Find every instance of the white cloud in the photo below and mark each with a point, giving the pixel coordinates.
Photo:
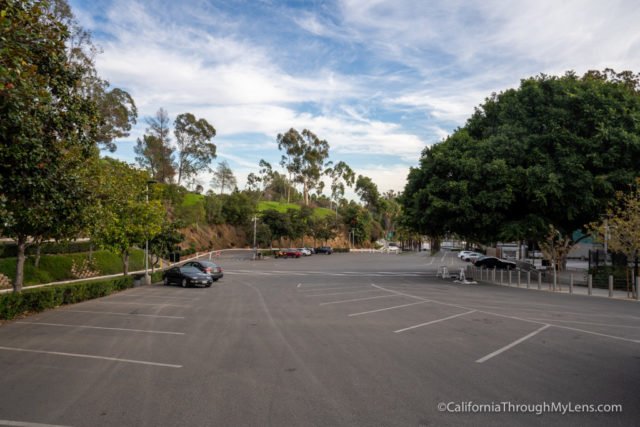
(373, 77)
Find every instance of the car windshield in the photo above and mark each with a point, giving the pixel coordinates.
(189, 269)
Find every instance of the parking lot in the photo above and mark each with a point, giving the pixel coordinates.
(345, 339)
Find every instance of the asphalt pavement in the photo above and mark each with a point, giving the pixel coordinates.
(327, 340)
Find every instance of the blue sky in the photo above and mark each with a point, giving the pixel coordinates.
(379, 80)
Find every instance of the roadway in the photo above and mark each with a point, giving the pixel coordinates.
(339, 340)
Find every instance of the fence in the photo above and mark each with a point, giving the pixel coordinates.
(566, 281)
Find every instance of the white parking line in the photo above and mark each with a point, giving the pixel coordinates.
(143, 303)
(343, 293)
(101, 327)
(154, 296)
(25, 424)
(122, 314)
(90, 356)
(586, 323)
(597, 334)
(299, 284)
(388, 308)
(513, 344)
(434, 321)
(334, 288)
(358, 299)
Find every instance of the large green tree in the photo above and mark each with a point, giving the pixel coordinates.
(124, 216)
(549, 155)
(48, 127)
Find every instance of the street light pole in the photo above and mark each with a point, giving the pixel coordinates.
(147, 278)
(255, 247)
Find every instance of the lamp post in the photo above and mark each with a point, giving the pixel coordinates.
(147, 278)
(255, 247)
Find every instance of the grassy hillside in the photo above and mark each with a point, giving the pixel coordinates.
(283, 207)
(191, 199)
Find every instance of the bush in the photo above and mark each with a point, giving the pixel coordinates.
(340, 250)
(40, 299)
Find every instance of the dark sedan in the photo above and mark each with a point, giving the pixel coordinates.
(186, 276)
(493, 262)
(207, 267)
(324, 250)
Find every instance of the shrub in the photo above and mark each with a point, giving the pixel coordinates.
(39, 299)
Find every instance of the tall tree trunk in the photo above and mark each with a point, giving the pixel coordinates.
(125, 263)
(19, 280)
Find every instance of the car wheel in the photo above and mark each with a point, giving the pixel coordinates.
(208, 285)
(184, 283)
(166, 281)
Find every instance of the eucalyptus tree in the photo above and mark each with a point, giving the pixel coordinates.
(116, 108)
(368, 192)
(341, 175)
(154, 150)
(223, 177)
(195, 151)
(304, 158)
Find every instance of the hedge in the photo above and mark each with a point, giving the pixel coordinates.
(39, 299)
(55, 268)
(10, 250)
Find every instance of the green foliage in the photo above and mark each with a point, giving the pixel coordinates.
(282, 207)
(213, 209)
(10, 250)
(53, 268)
(223, 178)
(304, 158)
(368, 192)
(123, 215)
(195, 151)
(154, 151)
(191, 199)
(48, 130)
(173, 193)
(238, 208)
(358, 220)
(36, 300)
(279, 224)
(192, 214)
(277, 206)
(550, 153)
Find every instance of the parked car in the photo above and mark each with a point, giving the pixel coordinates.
(207, 267)
(472, 256)
(186, 276)
(462, 254)
(304, 251)
(392, 247)
(493, 262)
(288, 253)
(324, 250)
